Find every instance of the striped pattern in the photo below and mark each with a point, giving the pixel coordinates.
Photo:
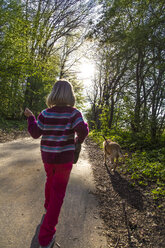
(77, 121)
(58, 126)
(53, 127)
(58, 148)
(57, 138)
(58, 115)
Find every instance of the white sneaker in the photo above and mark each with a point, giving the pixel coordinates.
(50, 245)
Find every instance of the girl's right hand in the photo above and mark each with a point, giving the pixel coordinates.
(28, 112)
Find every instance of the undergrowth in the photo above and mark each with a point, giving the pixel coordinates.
(10, 125)
(144, 161)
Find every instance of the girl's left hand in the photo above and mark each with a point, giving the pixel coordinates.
(28, 112)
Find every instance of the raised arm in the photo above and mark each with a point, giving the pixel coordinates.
(34, 127)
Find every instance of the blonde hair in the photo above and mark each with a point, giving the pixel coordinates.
(62, 94)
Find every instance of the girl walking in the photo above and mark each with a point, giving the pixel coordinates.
(57, 125)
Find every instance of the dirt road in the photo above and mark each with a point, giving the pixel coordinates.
(22, 179)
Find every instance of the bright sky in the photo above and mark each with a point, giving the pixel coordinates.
(86, 72)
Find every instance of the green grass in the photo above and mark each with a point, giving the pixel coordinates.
(146, 164)
(147, 168)
(9, 125)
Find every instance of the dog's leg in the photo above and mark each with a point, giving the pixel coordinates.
(112, 162)
(116, 164)
(105, 156)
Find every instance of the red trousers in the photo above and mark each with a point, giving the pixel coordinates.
(55, 188)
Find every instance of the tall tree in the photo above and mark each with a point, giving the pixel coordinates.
(133, 34)
(30, 33)
(52, 21)
(14, 58)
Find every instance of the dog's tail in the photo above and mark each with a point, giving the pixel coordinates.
(104, 137)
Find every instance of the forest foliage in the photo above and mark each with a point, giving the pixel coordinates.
(129, 88)
(36, 42)
(127, 97)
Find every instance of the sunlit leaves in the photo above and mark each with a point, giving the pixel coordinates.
(131, 35)
(30, 32)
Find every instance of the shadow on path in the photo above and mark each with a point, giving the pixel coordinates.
(24, 146)
(35, 243)
(126, 191)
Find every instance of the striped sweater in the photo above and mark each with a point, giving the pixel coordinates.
(58, 126)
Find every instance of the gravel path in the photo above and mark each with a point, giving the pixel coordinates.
(101, 209)
(22, 179)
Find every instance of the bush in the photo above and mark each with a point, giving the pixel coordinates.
(146, 168)
(146, 163)
(9, 125)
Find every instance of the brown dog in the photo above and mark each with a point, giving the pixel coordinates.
(112, 149)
